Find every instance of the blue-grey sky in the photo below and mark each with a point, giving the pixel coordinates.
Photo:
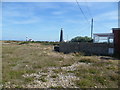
(43, 20)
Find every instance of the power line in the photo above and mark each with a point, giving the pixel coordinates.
(102, 24)
(84, 29)
(91, 20)
(81, 11)
(86, 17)
(89, 11)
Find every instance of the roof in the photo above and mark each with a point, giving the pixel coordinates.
(115, 28)
(104, 34)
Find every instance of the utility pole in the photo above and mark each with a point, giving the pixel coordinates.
(119, 14)
(26, 38)
(92, 28)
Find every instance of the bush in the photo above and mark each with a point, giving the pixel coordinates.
(81, 39)
(25, 42)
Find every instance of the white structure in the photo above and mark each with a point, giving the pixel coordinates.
(103, 38)
(30, 40)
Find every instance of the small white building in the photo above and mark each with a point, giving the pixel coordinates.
(103, 38)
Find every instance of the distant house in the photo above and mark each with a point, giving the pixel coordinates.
(103, 38)
(109, 38)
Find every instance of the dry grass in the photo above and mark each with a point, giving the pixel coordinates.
(34, 58)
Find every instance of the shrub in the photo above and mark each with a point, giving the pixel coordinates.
(25, 42)
(84, 83)
(81, 39)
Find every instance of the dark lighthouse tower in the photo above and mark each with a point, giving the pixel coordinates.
(61, 35)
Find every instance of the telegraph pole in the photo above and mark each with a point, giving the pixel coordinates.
(26, 38)
(119, 14)
(92, 28)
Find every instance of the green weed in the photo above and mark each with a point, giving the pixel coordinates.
(43, 79)
(54, 76)
(29, 79)
(84, 83)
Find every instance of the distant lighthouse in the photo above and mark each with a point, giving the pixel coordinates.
(61, 35)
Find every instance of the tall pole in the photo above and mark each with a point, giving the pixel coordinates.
(92, 28)
(26, 38)
(119, 14)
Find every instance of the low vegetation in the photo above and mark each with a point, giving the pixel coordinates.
(36, 65)
(41, 42)
(81, 39)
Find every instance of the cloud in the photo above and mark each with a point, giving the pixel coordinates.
(106, 20)
(112, 15)
(31, 20)
(58, 12)
(76, 22)
(26, 21)
(17, 13)
(59, 0)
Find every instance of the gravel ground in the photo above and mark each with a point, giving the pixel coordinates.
(52, 79)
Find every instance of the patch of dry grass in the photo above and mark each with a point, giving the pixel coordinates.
(27, 58)
(30, 58)
(102, 74)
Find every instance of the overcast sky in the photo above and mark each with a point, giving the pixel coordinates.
(43, 20)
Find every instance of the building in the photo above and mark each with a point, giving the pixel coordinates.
(104, 44)
(113, 37)
(103, 38)
(116, 32)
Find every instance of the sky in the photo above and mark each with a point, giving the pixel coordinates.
(42, 21)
